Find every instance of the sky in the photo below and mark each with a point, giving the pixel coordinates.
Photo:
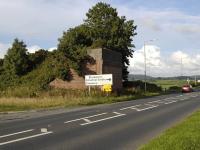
(170, 29)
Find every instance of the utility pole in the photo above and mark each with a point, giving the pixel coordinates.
(181, 66)
(145, 65)
(145, 69)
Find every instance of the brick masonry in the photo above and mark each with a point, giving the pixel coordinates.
(103, 61)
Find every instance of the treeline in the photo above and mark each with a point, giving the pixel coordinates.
(103, 27)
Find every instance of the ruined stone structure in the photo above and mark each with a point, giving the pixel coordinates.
(105, 61)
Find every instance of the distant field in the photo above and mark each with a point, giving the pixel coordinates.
(169, 83)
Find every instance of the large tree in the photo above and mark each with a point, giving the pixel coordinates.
(73, 45)
(16, 59)
(102, 28)
(112, 31)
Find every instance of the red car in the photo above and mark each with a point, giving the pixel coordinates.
(187, 89)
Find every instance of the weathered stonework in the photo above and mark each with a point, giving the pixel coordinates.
(104, 62)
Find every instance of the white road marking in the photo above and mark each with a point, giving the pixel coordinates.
(85, 118)
(119, 115)
(24, 138)
(170, 102)
(151, 106)
(158, 101)
(194, 96)
(129, 107)
(3, 136)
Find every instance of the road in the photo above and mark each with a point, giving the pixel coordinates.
(119, 126)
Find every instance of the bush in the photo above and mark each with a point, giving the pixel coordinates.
(138, 86)
(174, 89)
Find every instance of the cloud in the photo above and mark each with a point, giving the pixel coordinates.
(188, 28)
(3, 49)
(33, 49)
(41, 18)
(52, 49)
(175, 64)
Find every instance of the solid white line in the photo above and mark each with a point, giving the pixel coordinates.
(102, 119)
(16, 133)
(28, 137)
(85, 118)
(129, 107)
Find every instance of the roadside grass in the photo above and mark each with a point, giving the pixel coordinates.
(49, 101)
(184, 136)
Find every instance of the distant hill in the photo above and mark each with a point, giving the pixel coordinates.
(132, 77)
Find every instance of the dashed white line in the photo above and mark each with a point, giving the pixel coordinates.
(170, 102)
(86, 120)
(85, 117)
(151, 106)
(158, 101)
(119, 115)
(24, 138)
(130, 107)
(3, 136)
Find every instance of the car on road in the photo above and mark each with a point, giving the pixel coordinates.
(187, 88)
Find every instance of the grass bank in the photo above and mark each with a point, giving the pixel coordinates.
(50, 101)
(184, 136)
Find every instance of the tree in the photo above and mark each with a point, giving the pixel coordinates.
(102, 28)
(16, 59)
(1, 66)
(73, 45)
(111, 31)
(35, 59)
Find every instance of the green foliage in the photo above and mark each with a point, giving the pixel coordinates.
(111, 31)
(102, 28)
(36, 58)
(16, 59)
(174, 89)
(1, 66)
(54, 66)
(139, 85)
(73, 45)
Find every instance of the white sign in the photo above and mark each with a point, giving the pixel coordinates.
(98, 79)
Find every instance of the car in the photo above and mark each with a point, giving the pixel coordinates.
(187, 88)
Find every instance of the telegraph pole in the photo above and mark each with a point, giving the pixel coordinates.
(145, 69)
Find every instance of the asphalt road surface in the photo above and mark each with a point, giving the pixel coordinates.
(120, 126)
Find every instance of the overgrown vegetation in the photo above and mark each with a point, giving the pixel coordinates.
(64, 98)
(184, 136)
(139, 86)
(26, 74)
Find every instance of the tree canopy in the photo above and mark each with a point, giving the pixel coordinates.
(102, 28)
(16, 59)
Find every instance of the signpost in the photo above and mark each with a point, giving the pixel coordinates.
(92, 80)
(105, 80)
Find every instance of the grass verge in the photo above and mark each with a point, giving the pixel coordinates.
(184, 136)
(20, 104)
